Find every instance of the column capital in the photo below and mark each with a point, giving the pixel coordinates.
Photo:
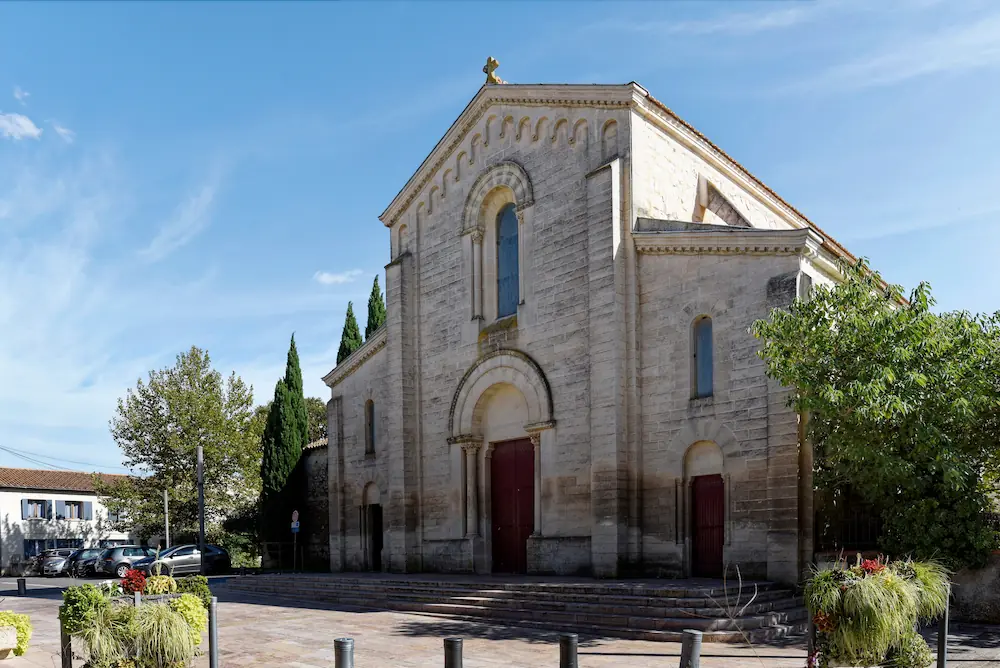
(471, 446)
(462, 439)
(477, 236)
(536, 438)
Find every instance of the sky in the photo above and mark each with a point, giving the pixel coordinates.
(210, 174)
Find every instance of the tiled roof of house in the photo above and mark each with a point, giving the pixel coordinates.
(69, 481)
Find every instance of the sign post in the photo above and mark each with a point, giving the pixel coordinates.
(295, 536)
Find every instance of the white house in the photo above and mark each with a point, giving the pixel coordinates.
(45, 509)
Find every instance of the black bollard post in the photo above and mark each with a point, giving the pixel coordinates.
(213, 633)
(65, 646)
(22, 587)
(567, 650)
(942, 653)
(452, 653)
(811, 646)
(690, 649)
(343, 653)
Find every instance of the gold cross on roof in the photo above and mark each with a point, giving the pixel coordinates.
(490, 69)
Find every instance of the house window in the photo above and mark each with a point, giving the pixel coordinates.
(369, 427)
(34, 509)
(74, 511)
(74, 543)
(35, 546)
(702, 367)
(508, 288)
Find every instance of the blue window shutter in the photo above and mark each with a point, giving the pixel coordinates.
(24, 509)
(88, 510)
(48, 510)
(508, 290)
(60, 510)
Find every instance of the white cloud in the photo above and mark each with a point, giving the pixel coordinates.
(743, 23)
(328, 278)
(18, 126)
(21, 95)
(189, 220)
(64, 132)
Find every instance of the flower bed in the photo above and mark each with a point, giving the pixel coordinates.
(867, 614)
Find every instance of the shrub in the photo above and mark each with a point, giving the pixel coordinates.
(191, 609)
(160, 584)
(134, 581)
(162, 638)
(78, 604)
(197, 585)
(911, 652)
(108, 634)
(23, 625)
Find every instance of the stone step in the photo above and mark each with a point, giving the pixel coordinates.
(581, 626)
(628, 606)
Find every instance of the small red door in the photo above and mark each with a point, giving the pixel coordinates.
(708, 498)
(512, 495)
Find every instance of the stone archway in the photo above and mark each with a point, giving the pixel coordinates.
(516, 382)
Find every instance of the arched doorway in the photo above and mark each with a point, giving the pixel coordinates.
(371, 528)
(703, 463)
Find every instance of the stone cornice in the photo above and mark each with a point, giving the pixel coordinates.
(729, 241)
(525, 95)
(357, 358)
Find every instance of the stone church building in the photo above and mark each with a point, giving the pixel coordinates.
(565, 383)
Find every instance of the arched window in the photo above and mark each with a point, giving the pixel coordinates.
(702, 368)
(369, 427)
(508, 290)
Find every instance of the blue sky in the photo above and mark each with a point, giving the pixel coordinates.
(211, 173)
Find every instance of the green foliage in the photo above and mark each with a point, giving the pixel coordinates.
(376, 310)
(911, 652)
(22, 623)
(78, 604)
(108, 635)
(190, 608)
(933, 589)
(822, 593)
(316, 409)
(197, 585)
(160, 584)
(158, 425)
(350, 339)
(903, 406)
(163, 637)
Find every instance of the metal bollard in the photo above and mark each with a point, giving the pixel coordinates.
(690, 649)
(568, 643)
(343, 653)
(942, 653)
(452, 653)
(213, 633)
(22, 587)
(138, 598)
(65, 646)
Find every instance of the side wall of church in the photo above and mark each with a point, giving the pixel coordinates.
(315, 516)
(553, 323)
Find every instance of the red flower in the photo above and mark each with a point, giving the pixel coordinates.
(134, 581)
(871, 566)
(824, 622)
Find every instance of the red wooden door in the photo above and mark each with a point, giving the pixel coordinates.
(708, 498)
(512, 481)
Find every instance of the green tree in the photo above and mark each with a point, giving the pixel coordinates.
(316, 408)
(903, 406)
(158, 426)
(350, 340)
(284, 437)
(376, 310)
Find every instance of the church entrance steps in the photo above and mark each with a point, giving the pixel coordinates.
(647, 610)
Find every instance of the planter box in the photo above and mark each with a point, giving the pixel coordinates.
(8, 641)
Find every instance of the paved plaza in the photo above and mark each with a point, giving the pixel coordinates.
(257, 632)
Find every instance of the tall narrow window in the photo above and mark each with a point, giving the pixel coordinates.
(703, 357)
(369, 427)
(508, 290)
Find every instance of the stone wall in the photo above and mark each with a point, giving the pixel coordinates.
(314, 517)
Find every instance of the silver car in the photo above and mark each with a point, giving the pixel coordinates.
(55, 562)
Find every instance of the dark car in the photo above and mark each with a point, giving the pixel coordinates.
(81, 563)
(54, 562)
(118, 560)
(184, 559)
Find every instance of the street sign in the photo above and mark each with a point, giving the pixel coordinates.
(295, 527)
(295, 517)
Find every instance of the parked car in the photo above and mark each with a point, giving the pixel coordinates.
(118, 560)
(54, 562)
(81, 563)
(184, 559)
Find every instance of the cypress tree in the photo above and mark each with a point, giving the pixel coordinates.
(376, 310)
(350, 340)
(300, 416)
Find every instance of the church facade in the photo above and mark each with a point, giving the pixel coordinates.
(565, 383)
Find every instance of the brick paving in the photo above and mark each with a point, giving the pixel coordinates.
(253, 632)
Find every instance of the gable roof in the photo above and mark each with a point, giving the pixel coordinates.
(54, 481)
(598, 95)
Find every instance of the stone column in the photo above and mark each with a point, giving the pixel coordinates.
(536, 442)
(471, 451)
(477, 274)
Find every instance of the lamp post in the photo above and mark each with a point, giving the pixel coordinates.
(166, 519)
(201, 509)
